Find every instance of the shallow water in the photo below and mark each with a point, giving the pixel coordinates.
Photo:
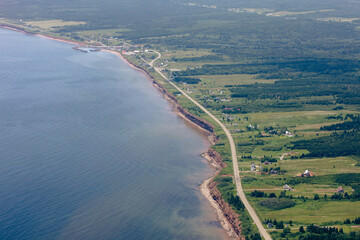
(89, 149)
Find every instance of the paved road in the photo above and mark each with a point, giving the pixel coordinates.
(239, 188)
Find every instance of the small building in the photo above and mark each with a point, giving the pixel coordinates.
(267, 163)
(253, 167)
(289, 134)
(287, 187)
(340, 189)
(270, 225)
(307, 173)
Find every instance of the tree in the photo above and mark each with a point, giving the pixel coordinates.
(316, 197)
(256, 236)
(301, 229)
(282, 194)
(272, 195)
(280, 225)
(286, 230)
(275, 222)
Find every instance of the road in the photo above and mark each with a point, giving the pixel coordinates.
(239, 188)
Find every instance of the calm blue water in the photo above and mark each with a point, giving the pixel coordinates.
(90, 150)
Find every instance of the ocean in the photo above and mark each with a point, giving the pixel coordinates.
(89, 149)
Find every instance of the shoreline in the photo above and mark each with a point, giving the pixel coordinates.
(209, 155)
(206, 129)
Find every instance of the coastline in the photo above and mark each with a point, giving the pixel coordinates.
(225, 214)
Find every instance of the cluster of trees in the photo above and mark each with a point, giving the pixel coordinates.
(276, 203)
(268, 159)
(355, 221)
(260, 194)
(277, 224)
(338, 117)
(320, 230)
(353, 125)
(335, 145)
(187, 80)
(236, 202)
(255, 236)
(325, 233)
(336, 196)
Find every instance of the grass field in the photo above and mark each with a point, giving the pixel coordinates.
(320, 166)
(54, 23)
(320, 212)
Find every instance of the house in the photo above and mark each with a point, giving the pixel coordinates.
(340, 190)
(307, 173)
(267, 163)
(287, 187)
(289, 134)
(253, 167)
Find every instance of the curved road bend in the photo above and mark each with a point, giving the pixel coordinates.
(239, 188)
